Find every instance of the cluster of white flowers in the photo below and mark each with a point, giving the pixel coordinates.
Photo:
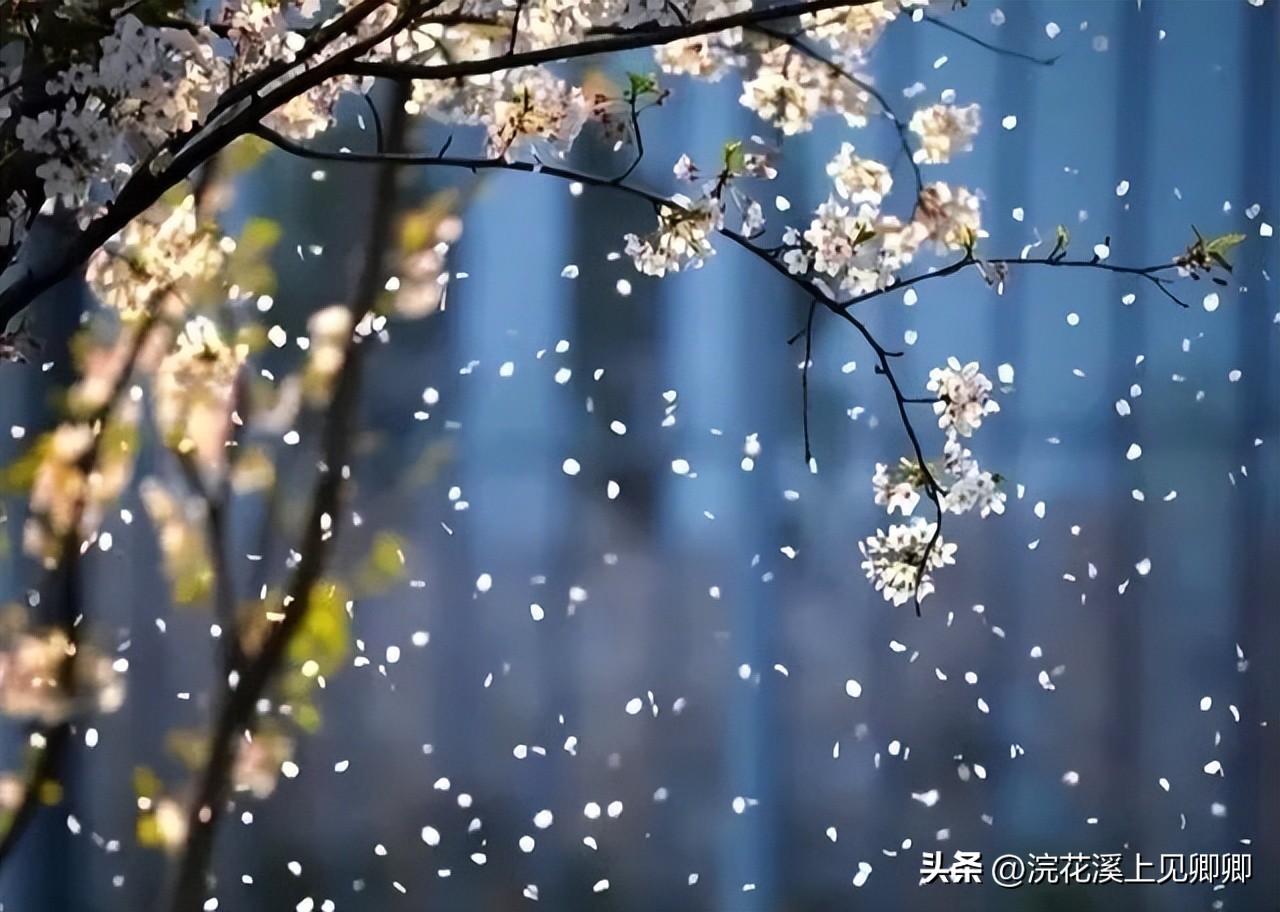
(194, 389)
(895, 560)
(944, 130)
(897, 487)
(148, 276)
(951, 216)
(969, 487)
(115, 107)
(163, 249)
(854, 30)
(67, 495)
(964, 397)
(541, 117)
(784, 85)
(899, 561)
(33, 683)
(790, 90)
(851, 251)
(859, 180)
(683, 237)
(262, 33)
(528, 114)
(851, 247)
(146, 86)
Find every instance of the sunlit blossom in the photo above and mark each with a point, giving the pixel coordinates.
(895, 560)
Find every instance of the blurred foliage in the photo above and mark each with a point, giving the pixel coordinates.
(249, 266)
(384, 566)
(324, 634)
(419, 228)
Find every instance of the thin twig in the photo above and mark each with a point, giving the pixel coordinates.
(515, 27)
(804, 379)
(1003, 51)
(1151, 274)
(379, 140)
(635, 112)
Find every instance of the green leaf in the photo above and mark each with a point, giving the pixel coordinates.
(735, 157)
(1223, 243)
(643, 84)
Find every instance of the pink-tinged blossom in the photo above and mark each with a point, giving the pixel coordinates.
(951, 217)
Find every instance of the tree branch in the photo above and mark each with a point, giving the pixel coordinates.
(995, 48)
(61, 580)
(622, 40)
(933, 490)
(1151, 274)
(804, 380)
(237, 713)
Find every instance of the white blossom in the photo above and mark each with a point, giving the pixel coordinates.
(893, 560)
(33, 685)
(950, 216)
(944, 130)
(859, 180)
(194, 389)
(541, 117)
(896, 488)
(146, 86)
(963, 396)
(854, 30)
(164, 248)
(683, 237)
(970, 486)
(853, 252)
(790, 90)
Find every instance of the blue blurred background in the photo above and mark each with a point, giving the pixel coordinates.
(679, 589)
